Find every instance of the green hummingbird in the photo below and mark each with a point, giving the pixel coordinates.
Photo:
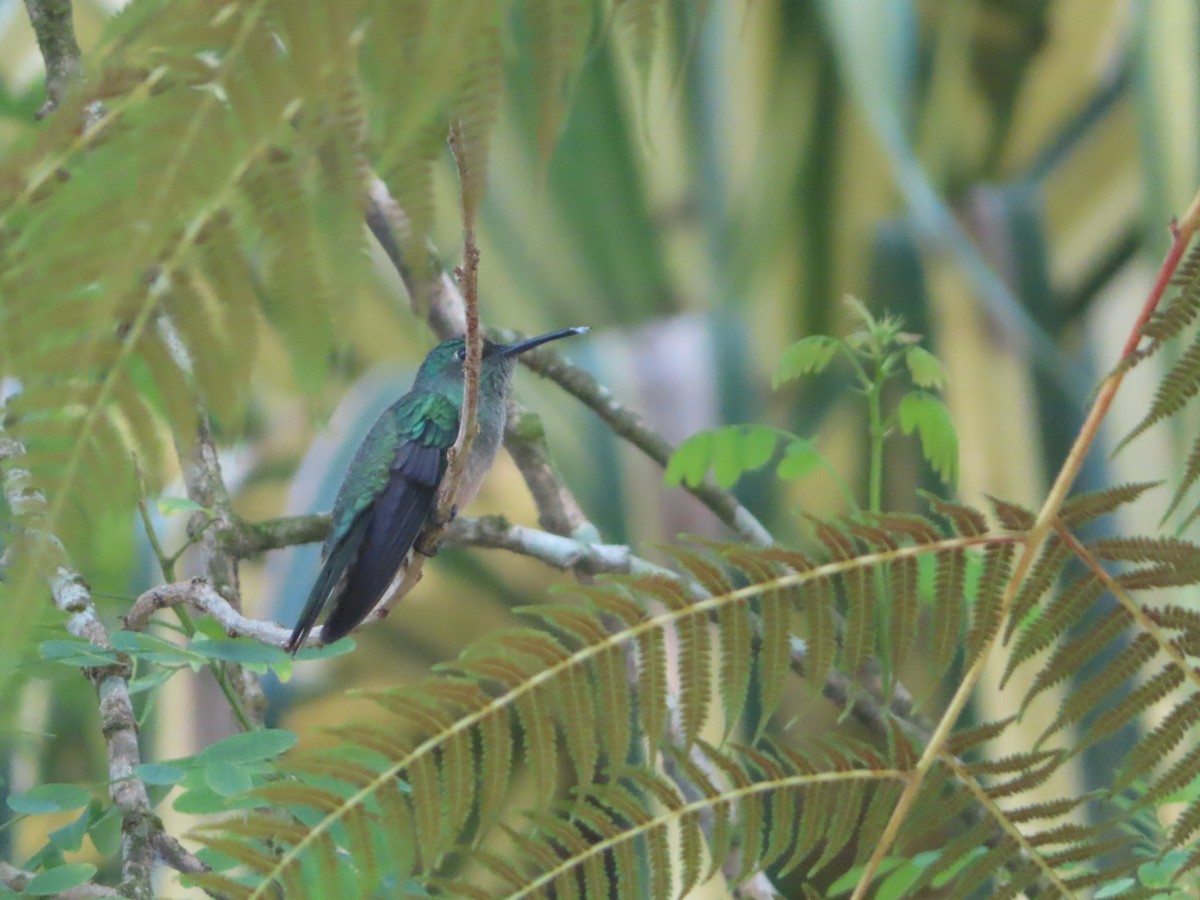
(389, 493)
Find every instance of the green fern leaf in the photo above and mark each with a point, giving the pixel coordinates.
(559, 30)
(479, 106)
(613, 703)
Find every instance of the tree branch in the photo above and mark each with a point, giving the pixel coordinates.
(55, 31)
(206, 487)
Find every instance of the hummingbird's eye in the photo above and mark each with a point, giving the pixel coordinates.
(460, 354)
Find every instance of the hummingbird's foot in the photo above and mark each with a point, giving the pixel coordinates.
(427, 546)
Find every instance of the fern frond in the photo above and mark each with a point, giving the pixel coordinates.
(560, 30)
(1092, 693)
(1041, 577)
(1063, 610)
(1069, 657)
(986, 611)
(1177, 387)
(948, 604)
(1080, 509)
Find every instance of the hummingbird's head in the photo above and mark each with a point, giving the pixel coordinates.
(444, 364)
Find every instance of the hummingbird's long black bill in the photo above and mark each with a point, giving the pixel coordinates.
(529, 343)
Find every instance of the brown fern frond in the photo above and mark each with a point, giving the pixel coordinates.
(1177, 387)
(986, 612)
(1080, 509)
(1011, 515)
(1045, 572)
(1063, 610)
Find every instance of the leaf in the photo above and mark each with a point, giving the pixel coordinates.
(925, 414)
(170, 505)
(59, 879)
(227, 779)
(800, 458)
(925, 368)
(689, 462)
(77, 654)
(730, 450)
(249, 746)
(70, 836)
(239, 650)
(808, 356)
(50, 798)
(159, 773)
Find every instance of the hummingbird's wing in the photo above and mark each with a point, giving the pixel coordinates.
(380, 512)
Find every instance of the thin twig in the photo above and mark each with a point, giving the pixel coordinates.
(206, 487)
(55, 31)
(167, 565)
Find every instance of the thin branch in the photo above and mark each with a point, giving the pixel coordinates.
(55, 30)
(167, 565)
(489, 532)
(467, 426)
(1033, 543)
(206, 487)
(626, 423)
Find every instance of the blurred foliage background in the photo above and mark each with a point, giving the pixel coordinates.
(999, 172)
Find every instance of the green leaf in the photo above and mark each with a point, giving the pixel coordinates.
(800, 458)
(249, 746)
(726, 457)
(328, 651)
(1115, 888)
(151, 682)
(169, 505)
(59, 879)
(731, 450)
(925, 414)
(847, 882)
(105, 832)
(1159, 873)
(807, 356)
(50, 798)
(227, 780)
(150, 648)
(689, 462)
(69, 838)
(757, 445)
(159, 773)
(925, 368)
(200, 801)
(245, 651)
(76, 653)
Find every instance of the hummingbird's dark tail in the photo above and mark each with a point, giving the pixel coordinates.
(333, 572)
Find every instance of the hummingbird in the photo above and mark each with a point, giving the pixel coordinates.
(389, 493)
